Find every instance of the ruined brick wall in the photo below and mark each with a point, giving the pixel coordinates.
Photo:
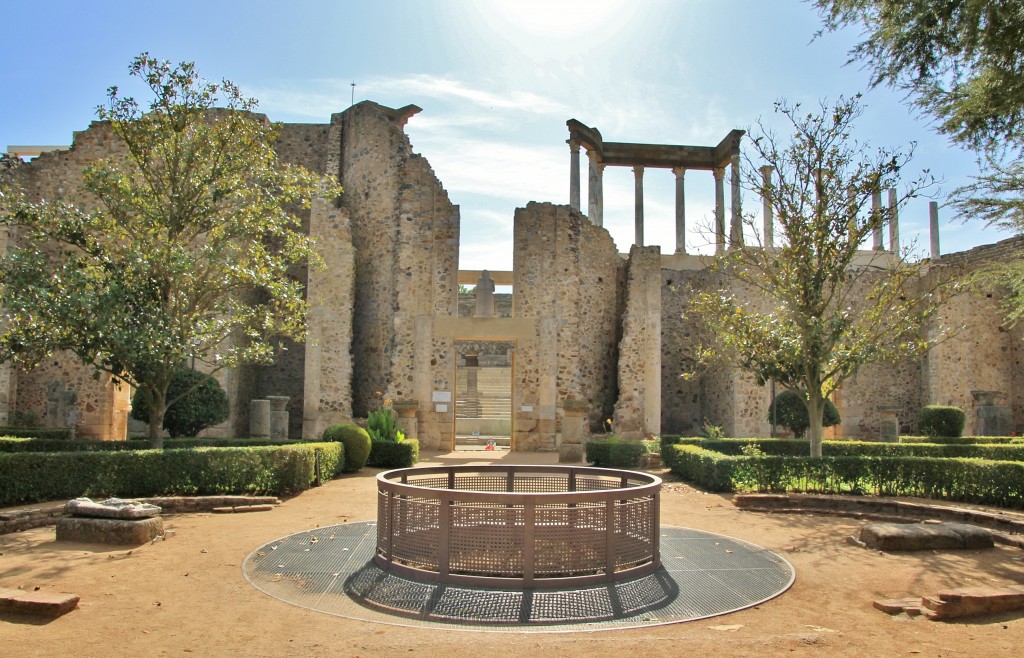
(568, 277)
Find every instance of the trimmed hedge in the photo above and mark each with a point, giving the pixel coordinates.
(614, 453)
(961, 440)
(8, 444)
(979, 481)
(799, 448)
(357, 444)
(57, 433)
(936, 420)
(392, 454)
(275, 470)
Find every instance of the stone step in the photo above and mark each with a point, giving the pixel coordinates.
(45, 604)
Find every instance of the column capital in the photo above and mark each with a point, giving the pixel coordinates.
(679, 171)
(574, 145)
(638, 171)
(718, 173)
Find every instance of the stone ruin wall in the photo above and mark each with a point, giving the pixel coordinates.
(568, 277)
(637, 410)
(102, 407)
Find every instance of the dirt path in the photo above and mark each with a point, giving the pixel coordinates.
(187, 595)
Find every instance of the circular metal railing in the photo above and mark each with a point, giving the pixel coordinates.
(518, 526)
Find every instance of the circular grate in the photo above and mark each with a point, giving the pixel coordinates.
(331, 570)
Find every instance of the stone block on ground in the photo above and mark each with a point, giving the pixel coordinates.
(973, 601)
(921, 537)
(109, 531)
(49, 604)
(570, 453)
(112, 508)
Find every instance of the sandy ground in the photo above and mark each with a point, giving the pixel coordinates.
(187, 595)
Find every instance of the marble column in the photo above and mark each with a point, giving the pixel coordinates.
(259, 419)
(680, 173)
(278, 416)
(766, 207)
(736, 225)
(894, 223)
(876, 207)
(719, 174)
(933, 222)
(593, 178)
(600, 194)
(638, 215)
(574, 173)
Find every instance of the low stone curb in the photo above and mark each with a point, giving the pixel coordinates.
(38, 517)
(1006, 528)
(36, 603)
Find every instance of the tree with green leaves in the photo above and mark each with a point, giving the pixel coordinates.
(808, 311)
(185, 254)
(962, 62)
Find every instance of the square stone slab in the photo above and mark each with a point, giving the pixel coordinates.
(109, 531)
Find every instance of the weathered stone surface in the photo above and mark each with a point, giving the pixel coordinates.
(242, 508)
(49, 604)
(112, 508)
(570, 453)
(973, 601)
(912, 607)
(918, 536)
(109, 531)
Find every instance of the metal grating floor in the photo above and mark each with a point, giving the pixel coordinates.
(703, 574)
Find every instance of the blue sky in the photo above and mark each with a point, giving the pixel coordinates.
(496, 80)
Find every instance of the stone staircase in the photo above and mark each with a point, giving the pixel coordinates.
(485, 413)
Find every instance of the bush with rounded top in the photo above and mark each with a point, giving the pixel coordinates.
(936, 420)
(204, 403)
(356, 441)
(790, 411)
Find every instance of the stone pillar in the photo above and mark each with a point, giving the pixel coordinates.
(991, 419)
(889, 423)
(876, 207)
(638, 214)
(484, 296)
(680, 173)
(638, 409)
(259, 419)
(933, 223)
(736, 226)
(766, 207)
(574, 173)
(719, 174)
(407, 421)
(894, 223)
(278, 416)
(571, 450)
(593, 180)
(600, 194)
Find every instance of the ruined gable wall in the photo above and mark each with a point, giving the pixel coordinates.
(426, 285)
(568, 276)
(373, 152)
(57, 175)
(985, 354)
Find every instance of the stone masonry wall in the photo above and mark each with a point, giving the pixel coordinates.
(681, 405)
(637, 412)
(567, 274)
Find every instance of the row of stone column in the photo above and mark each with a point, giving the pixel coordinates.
(595, 201)
(595, 209)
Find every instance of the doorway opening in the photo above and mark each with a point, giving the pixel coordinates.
(483, 394)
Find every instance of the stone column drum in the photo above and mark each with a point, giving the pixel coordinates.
(407, 422)
(571, 450)
(259, 419)
(278, 416)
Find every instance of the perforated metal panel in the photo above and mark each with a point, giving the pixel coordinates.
(330, 570)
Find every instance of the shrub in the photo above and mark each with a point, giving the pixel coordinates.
(613, 453)
(204, 403)
(56, 433)
(35, 477)
(392, 454)
(935, 420)
(356, 441)
(789, 410)
(380, 425)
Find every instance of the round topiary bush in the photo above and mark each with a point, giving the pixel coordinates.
(204, 404)
(356, 441)
(790, 410)
(936, 421)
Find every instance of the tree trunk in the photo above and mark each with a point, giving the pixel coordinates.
(157, 407)
(815, 414)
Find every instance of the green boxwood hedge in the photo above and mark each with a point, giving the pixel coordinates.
(392, 454)
(799, 448)
(275, 470)
(37, 432)
(613, 453)
(10, 444)
(981, 481)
